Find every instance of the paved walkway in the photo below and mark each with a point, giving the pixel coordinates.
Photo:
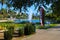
(41, 34)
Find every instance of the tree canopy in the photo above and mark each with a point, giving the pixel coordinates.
(18, 4)
(56, 7)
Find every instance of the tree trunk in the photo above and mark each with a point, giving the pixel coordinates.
(20, 11)
(42, 16)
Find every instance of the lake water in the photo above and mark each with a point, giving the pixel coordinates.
(33, 21)
(25, 20)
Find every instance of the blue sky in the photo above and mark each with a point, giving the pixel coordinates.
(4, 6)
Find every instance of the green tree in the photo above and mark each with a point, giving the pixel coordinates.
(4, 13)
(27, 3)
(8, 5)
(18, 4)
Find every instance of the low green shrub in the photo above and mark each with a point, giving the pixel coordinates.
(9, 33)
(21, 31)
(29, 28)
(33, 28)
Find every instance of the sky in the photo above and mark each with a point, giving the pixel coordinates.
(4, 6)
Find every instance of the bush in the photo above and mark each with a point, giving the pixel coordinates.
(9, 33)
(21, 31)
(29, 29)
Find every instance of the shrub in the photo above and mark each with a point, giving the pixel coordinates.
(21, 31)
(33, 28)
(29, 29)
(11, 28)
(9, 33)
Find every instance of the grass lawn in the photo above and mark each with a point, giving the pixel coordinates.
(52, 25)
(15, 25)
(7, 24)
(47, 25)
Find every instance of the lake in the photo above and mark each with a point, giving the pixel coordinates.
(33, 21)
(26, 20)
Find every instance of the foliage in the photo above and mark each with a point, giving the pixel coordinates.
(6, 25)
(21, 16)
(52, 16)
(19, 4)
(8, 34)
(29, 29)
(56, 8)
(21, 31)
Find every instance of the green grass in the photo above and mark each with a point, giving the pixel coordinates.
(8, 24)
(5, 24)
(51, 25)
(46, 26)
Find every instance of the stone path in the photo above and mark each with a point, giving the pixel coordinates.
(41, 34)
